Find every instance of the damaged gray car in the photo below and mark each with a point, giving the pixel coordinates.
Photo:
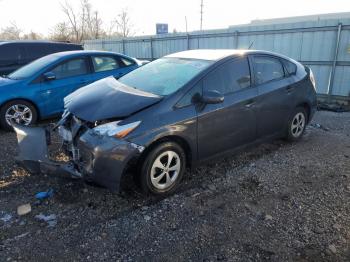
(175, 112)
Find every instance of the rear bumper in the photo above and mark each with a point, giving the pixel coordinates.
(101, 159)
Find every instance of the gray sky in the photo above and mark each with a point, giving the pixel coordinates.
(41, 15)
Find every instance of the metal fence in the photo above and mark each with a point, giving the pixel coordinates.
(324, 45)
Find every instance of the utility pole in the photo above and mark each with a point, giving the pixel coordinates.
(201, 15)
(186, 23)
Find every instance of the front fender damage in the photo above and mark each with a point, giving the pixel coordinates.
(98, 158)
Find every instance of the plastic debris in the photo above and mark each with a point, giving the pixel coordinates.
(24, 209)
(44, 195)
(5, 217)
(51, 220)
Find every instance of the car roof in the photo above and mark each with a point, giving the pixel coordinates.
(86, 52)
(36, 42)
(217, 54)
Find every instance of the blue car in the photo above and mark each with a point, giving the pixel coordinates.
(36, 91)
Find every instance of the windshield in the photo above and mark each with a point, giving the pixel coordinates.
(30, 69)
(164, 76)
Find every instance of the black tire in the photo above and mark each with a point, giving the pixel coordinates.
(145, 172)
(294, 130)
(8, 105)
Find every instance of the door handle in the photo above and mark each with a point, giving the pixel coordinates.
(289, 89)
(249, 103)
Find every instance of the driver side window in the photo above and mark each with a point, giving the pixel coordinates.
(74, 67)
(229, 77)
(187, 99)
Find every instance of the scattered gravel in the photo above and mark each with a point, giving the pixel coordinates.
(275, 202)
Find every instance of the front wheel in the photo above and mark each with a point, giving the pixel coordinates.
(162, 169)
(297, 124)
(18, 111)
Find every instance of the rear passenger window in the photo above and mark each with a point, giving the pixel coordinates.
(267, 69)
(71, 68)
(104, 63)
(290, 67)
(9, 55)
(35, 51)
(229, 77)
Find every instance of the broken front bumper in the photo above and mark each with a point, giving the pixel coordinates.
(100, 159)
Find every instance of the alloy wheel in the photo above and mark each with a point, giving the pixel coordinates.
(165, 170)
(21, 114)
(298, 125)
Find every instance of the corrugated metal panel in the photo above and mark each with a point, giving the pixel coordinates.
(344, 47)
(139, 49)
(312, 42)
(342, 81)
(164, 47)
(322, 77)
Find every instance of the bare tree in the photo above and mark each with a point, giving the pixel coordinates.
(33, 36)
(94, 24)
(123, 23)
(85, 23)
(11, 32)
(61, 32)
(76, 20)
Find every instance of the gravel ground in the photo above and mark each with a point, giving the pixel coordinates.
(275, 202)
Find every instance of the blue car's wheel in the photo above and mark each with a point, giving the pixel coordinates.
(18, 111)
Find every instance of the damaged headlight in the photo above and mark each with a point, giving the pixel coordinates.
(116, 130)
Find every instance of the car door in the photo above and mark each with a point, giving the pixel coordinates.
(65, 78)
(107, 65)
(273, 102)
(232, 123)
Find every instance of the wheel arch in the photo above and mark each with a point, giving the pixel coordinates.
(185, 145)
(307, 108)
(23, 99)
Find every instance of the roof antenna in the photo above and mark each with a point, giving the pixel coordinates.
(251, 45)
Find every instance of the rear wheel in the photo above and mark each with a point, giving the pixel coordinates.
(297, 124)
(18, 111)
(162, 169)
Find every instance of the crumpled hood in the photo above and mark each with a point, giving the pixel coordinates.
(107, 98)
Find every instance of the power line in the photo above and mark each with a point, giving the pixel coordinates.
(202, 14)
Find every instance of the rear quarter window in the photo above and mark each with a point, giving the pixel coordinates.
(290, 67)
(126, 62)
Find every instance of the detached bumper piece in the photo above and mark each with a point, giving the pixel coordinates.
(102, 159)
(33, 152)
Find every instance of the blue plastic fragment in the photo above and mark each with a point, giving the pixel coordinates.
(44, 195)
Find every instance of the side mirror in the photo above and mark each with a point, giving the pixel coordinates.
(48, 76)
(212, 97)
